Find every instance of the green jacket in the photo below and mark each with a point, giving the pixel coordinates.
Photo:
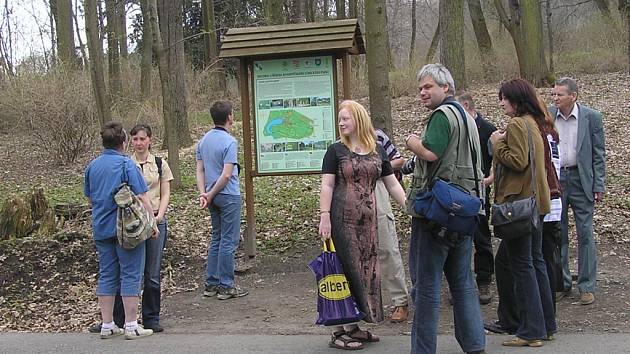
(515, 179)
(455, 164)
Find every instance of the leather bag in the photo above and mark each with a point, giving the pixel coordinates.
(517, 218)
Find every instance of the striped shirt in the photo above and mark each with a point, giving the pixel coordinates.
(383, 140)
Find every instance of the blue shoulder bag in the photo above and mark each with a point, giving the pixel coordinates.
(450, 209)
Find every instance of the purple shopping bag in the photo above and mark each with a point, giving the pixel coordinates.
(335, 303)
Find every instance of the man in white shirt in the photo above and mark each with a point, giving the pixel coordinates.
(582, 174)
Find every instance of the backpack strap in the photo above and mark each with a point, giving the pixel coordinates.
(158, 162)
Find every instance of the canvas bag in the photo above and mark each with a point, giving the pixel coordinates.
(517, 218)
(335, 303)
(134, 223)
(449, 206)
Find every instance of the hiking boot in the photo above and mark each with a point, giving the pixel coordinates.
(399, 314)
(587, 298)
(107, 333)
(233, 292)
(210, 290)
(485, 296)
(137, 333)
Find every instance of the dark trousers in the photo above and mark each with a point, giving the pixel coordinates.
(484, 259)
(507, 311)
(151, 301)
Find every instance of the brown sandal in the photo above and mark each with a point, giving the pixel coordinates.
(369, 337)
(346, 340)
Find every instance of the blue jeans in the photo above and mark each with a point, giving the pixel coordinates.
(119, 270)
(225, 212)
(428, 257)
(531, 287)
(151, 294)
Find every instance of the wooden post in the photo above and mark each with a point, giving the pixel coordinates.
(345, 65)
(250, 228)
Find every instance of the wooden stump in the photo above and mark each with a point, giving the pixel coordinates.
(39, 204)
(15, 219)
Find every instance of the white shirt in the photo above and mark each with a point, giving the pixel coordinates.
(568, 129)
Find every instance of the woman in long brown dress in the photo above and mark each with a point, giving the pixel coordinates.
(348, 214)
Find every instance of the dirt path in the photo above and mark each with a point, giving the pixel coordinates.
(284, 303)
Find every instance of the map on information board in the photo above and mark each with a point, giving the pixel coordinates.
(295, 113)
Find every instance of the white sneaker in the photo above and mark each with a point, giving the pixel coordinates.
(139, 332)
(107, 333)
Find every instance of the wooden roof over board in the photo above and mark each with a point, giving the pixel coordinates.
(339, 36)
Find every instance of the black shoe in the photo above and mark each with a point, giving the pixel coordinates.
(210, 290)
(155, 327)
(95, 328)
(233, 292)
(495, 327)
(485, 296)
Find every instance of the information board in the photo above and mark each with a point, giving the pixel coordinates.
(295, 113)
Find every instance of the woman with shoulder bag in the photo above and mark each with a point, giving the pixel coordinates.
(158, 176)
(519, 166)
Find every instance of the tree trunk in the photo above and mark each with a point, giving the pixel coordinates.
(452, 40)
(113, 50)
(484, 42)
(435, 41)
(325, 8)
(353, 8)
(377, 38)
(211, 53)
(95, 48)
(525, 27)
(65, 33)
(412, 44)
(170, 125)
(273, 10)
(604, 9)
(340, 6)
(171, 25)
(624, 9)
(297, 11)
(84, 57)
(122, 27)
(146, 50)
(309, 11)
(550, 35)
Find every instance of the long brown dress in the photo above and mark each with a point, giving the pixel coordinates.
(354, 222)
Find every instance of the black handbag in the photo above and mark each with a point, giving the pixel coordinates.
(517, 218)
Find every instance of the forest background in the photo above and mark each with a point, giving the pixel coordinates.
(156, 62)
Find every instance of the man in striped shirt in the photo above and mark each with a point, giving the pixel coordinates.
(392, 268)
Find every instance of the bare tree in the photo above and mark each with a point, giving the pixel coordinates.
(171, 14)
(484, 42)
(274, 11)
(211, 52)
(84, 57)
(297, 11)
(525, 26)
(452, 39)
(435, 41)
(377, 39)
(121, 30)
(170, 125)
(624, 9)
(412, 44)
(113, 50)
(62, 12)
(95, 48)
(146, 62)
(340, 7)
(309, 11)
